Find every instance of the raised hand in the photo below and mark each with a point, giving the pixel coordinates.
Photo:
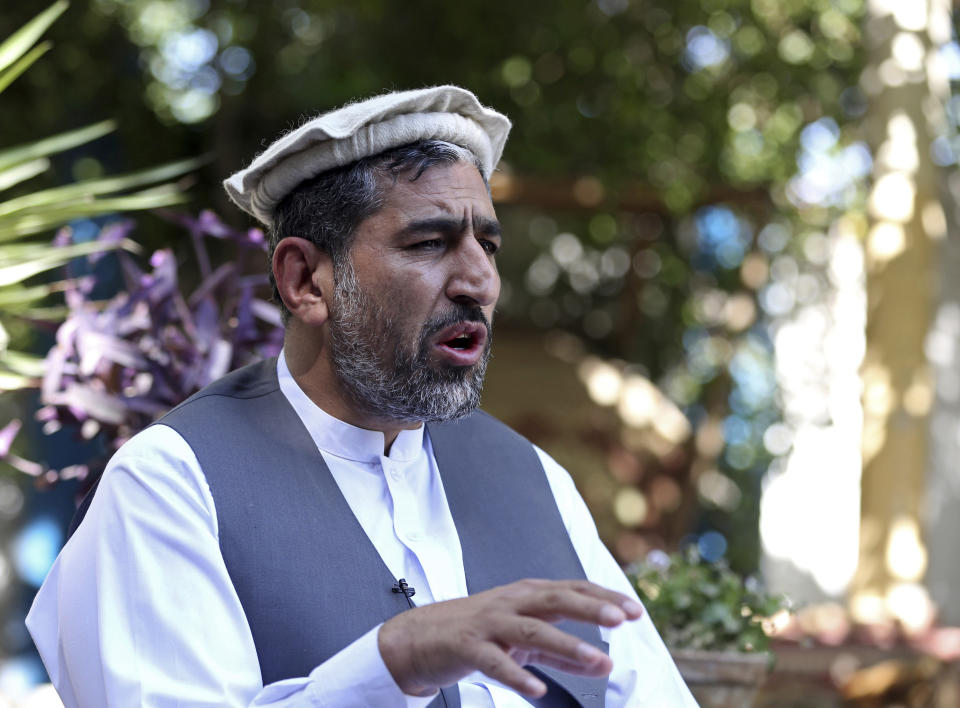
(498, 631)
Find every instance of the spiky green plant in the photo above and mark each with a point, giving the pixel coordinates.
(25, 219)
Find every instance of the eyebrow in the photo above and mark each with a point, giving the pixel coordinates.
(447, 224)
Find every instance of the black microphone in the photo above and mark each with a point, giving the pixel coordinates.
(401, 586)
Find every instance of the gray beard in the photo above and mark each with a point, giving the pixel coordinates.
(392, 382)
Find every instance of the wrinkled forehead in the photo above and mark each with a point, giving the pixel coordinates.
(453, 190)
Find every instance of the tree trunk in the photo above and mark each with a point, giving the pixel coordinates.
(906, 227)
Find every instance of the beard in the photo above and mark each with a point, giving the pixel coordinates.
(390, 377)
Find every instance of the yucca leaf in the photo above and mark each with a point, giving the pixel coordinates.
(79, 190)
(12, 228)
(22, 172)
(11, 253)
(18, 297)
(22, 363)
(13, 382)
(16, 252)
(16, 272)
(18, 43)
(54, 313)
(21, 65)
(54, 144)
(15, 297)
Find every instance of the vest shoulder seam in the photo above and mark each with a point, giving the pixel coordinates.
(200, 395)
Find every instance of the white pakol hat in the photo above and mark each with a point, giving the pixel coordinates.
(367, 128)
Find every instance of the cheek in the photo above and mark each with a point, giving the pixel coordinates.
(405, 299)
(497, 283)
(395, 292)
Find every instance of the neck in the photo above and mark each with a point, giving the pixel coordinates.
(312, 369)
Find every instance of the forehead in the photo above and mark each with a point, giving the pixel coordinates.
(453, 189)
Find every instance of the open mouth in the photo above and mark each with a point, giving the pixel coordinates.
(461, 341)
(462, 344)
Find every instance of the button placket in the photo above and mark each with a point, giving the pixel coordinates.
(404, 511)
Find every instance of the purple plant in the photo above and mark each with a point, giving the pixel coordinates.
(118, 365)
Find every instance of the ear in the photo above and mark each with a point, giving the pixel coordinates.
(304, 277)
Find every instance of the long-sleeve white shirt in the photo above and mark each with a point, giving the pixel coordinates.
(138, 609)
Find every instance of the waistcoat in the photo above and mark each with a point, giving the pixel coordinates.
(309, 579)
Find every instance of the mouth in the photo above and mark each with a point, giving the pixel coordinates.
(461, 344)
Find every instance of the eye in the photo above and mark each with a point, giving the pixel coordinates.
(490, 246)
(431, 244)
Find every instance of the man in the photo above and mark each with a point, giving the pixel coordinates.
(294, 535)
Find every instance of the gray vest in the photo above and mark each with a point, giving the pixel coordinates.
(309, 579)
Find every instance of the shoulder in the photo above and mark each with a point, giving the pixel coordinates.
(576, 516)
(482, 424)
(154, 474)
(157, 442)
(479, 436)
(159, 458)
(250, 382)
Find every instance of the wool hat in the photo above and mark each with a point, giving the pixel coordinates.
(363, 129)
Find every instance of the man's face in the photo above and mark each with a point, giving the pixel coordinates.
(410, 325)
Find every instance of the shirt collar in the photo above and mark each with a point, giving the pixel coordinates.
(333, 436)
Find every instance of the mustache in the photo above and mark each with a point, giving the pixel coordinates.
(459, 313)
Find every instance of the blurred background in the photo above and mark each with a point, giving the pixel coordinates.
(731, 299)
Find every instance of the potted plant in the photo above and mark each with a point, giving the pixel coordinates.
(713, 623)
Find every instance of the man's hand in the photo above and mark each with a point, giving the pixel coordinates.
(499, 631)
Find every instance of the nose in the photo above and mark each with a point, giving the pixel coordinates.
(474, 278)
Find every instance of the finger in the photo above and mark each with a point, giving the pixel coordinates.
(559, 602)
(529, 634)
(629, 605)
(494, 662)
(626, 603)
(598, 670)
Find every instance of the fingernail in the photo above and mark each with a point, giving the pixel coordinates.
(633, 609)
(611, 615)
(533, 686)
(589, 653)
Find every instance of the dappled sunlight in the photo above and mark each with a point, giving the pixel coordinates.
(910, 603)
(639, 403)
(906, 556)
(819, 349)
(827, 550)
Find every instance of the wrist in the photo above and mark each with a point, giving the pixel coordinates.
(397, 654)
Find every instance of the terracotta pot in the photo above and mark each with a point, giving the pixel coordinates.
(723, 679)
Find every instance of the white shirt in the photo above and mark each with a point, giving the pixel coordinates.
(138, 609)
